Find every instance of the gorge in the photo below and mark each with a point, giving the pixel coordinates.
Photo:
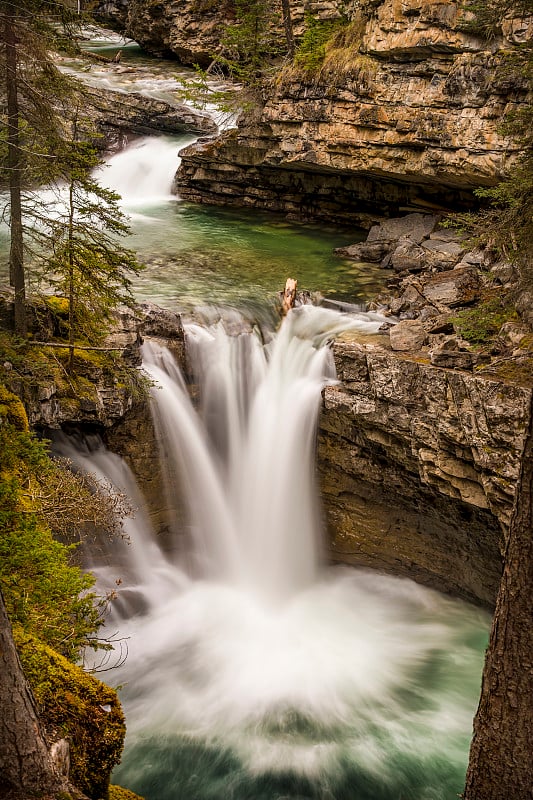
(261, 663)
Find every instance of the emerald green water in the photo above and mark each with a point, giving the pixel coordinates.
(197, 255)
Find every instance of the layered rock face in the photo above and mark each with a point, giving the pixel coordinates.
(404, 117)
(193, 30)
(119, 118)
(420, 466)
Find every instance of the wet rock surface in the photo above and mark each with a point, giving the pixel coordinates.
(119, 117)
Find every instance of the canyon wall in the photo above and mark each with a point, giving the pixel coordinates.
(404, 115)
(193, 31)
(420, 465)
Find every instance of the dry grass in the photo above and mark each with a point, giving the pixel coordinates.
(342, 63)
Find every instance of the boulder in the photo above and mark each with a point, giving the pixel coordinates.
(414, 227)
(408, 257)
(441, 255)
(456, 287)
(408, 334)
(449, 354)
(160, 322)
(365, 251)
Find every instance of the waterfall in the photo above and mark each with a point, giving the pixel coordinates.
(143, 173)
(247, 458)
(121, 560)
(254, 669)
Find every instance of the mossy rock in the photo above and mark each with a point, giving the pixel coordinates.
(76, 706)
(118, 793)
(12, 410)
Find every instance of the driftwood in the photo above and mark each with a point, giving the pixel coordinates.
(289, 295)
(103, 59)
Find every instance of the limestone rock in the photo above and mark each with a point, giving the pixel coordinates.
(408, 335)
(408, 257)
(413, 124)
(457, 287)
(442, 255)
(412, 227)
(419, 467)
(450, 355)
(365, 251)
(118, 116)
(160, 322)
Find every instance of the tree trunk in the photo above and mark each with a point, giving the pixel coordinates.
(25, 766)
(14, 164)
(500, 755)
(287, 24)
(71, 278)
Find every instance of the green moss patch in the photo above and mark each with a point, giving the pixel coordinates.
(118, 793)
(76, 706)
(480, 325)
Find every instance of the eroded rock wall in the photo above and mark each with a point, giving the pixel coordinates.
(193, 31)
(420, 466)
(406, 117)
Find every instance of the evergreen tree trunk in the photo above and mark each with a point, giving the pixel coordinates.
(14, 164)
(500, 755)
(287, 24)
(25, 766)
(71, 308)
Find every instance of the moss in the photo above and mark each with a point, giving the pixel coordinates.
(58, 305)
(12, 410)
(78, 707)
(118, 793)
(519, 371)
(480, 325)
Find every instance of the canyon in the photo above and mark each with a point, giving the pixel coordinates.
(419, 458)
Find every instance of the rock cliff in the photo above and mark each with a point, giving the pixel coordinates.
(421, 441)
(193, 30)
(404, 114)
(420, 465)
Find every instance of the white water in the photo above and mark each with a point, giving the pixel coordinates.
(143, 173)
(152, 77)
(251, 660)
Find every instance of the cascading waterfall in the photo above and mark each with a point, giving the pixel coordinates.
(143, 173)
(254, 671)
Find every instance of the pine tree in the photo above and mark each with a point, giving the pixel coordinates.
(29, 81)
(88, 265)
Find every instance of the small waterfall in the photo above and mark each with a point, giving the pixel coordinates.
(247, 460)
(143, 173)
(121, 560)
